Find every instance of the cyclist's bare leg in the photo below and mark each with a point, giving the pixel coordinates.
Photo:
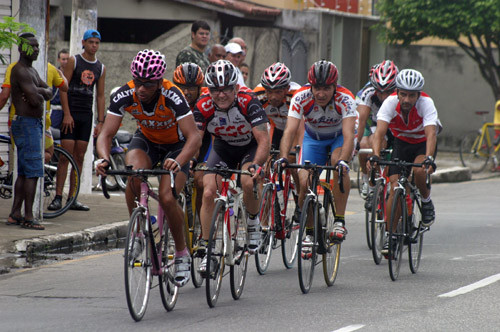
(420, 177)
(304, 180)
(210, 186)
(339, 197)
(251, 204)
(198, 184)
(365, 143)
(394, 182)
(172, 209)
(138, 159)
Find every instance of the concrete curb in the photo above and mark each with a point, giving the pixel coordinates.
(103, 234)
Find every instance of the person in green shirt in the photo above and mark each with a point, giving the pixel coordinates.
(195, 52)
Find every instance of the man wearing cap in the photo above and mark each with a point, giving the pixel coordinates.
(234, 52)
(195, 53)
(241, 42)
(83, 72)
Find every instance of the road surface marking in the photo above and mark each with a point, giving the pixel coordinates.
(471, 287)
(350, 328)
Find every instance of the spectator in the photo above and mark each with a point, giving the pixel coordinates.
(200, 35)
(217, 52)
(28, 95)
(56, 115)
(83, 72)
(233, 55)
(245, 71)
(243, 45)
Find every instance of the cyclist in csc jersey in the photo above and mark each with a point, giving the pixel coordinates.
(329, 111)
(412, 118)
(240, 128)
(167, 133)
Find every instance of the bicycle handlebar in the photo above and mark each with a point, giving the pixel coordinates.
(402, 164)
(315, 167)
(226, 172)
(138, 173)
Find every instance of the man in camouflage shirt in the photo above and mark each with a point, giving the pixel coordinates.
(200, 35)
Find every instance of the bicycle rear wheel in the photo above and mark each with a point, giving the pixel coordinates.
(239, 241)
(263, 255)
(291, 237)
(471, 154)
(168, 291)
(137, 265)
(416, 236)
(331, 257)
(49, 186)
(396, 234)
(215, 255)
(307, 249)
(377, 223)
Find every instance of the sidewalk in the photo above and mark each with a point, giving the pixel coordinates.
(107, 219)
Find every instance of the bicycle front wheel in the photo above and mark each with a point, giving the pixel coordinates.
(377, 222)
(49, 184)
(396, 233)
(137, 265)
(197, 254)
(307, 245)
(263, 255)
(168, 291)
(118, 163)
(215, 255)
(239, 241)
(331, 257)
(291, 226)
(474, 153)
(416, 236)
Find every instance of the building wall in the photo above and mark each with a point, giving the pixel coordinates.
(453, 81)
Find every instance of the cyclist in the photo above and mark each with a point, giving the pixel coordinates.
(329, 111)
(239, 125)
(412, 118)
(167, 133)
(189, 78)
(369, 100)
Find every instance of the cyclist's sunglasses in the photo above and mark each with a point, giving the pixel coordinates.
(147, 84)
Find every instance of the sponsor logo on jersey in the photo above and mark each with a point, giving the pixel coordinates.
(171, 95)
(123, 94)
(222, 121)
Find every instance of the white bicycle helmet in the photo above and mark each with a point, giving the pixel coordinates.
(221, 74)
(410, 80)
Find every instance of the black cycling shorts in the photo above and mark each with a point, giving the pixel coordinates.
(406, 151)
(233, 156)
(157, 152)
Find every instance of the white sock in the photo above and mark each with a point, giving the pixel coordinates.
(426, 200)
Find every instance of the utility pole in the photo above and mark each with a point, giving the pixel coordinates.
(83, 18)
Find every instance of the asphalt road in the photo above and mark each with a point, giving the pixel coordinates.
(457, 287)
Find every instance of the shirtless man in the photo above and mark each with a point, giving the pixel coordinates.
(28, 93)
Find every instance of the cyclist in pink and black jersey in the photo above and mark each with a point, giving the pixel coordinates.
(240, 128)
(329, 112)
(412, 118)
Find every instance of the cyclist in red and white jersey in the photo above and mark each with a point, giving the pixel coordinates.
(275, 92)
(167, 133)
(329, 112)
(412, 118)
(369, 100)
(240, 128)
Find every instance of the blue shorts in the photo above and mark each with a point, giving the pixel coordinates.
(316, 151)
(27, 135)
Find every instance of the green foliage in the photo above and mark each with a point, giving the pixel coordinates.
(9, 30)
(473, 24)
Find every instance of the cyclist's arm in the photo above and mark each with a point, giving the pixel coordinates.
(364, 112)
(348, 134)
(109, 129)
(193, 140)
(261, 134)
(378, 137)
(292, 124)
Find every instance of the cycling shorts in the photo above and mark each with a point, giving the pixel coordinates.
(316, 151)
(157, 152)
(233, 156)
(407, 152)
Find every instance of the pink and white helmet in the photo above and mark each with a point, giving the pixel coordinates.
(276, 76)
(148, 64)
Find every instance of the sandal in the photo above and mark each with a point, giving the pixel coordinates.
(14, 220)
(33, 224)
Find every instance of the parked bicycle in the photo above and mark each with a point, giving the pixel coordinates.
(406, 231)
(49, 185)
(323, 213)
(147, 254)
(228, 241)
(477, 147)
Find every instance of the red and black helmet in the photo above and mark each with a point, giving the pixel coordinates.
(323, 73)
(384, 75)
(276, 76)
